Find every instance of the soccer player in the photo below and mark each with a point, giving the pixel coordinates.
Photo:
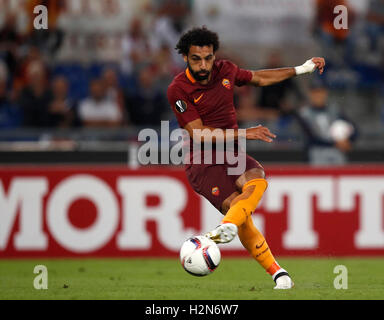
(202, 98)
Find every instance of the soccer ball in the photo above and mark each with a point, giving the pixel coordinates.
(199, 256)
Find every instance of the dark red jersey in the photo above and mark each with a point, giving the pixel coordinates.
(213, 102)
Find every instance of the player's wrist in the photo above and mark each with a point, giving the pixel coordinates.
(299, 70)
(308, 67)
(242, 133)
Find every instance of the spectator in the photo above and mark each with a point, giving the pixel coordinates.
(61, 108)
(146, 105)
(246, 110)
(36, 97)
(9, 43)
(114, 92)
(166, 27)
(333, 41)
(165, 68)
(48, 40)
(97, 110)
(274, 99)
(267, 103)
(325, 17)
(316, 121)
(135, 48)
(10, 114)
(375, 21)
(34, 58)
(178, 11)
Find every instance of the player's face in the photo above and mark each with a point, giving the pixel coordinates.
(200, 62)
(318, 97)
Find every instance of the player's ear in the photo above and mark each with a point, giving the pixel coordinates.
(185, 58)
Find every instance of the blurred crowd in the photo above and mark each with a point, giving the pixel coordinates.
(355, 64)
(39, 91)
(354, 59)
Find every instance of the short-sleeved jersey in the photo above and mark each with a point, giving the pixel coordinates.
(213, 102)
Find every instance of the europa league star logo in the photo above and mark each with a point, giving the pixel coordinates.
(181, 106)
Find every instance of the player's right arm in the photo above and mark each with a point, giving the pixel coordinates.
(199, 132)
(189, 119)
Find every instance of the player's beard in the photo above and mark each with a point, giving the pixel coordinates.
(197, 75)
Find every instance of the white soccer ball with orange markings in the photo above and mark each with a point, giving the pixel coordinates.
(200, 256)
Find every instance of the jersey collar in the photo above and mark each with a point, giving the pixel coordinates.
(189, 76)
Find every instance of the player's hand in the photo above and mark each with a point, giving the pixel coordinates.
(260, 133)
(319, 63)
(344, 145)
(310, 66)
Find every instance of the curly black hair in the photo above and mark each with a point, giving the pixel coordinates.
(197, 37)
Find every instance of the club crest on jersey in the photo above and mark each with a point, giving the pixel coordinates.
(181, 106)
(227, 84)
(216, 191)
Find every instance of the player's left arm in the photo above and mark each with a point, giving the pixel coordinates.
(269, 77)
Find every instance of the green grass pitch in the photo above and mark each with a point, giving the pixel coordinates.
(164, 279)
